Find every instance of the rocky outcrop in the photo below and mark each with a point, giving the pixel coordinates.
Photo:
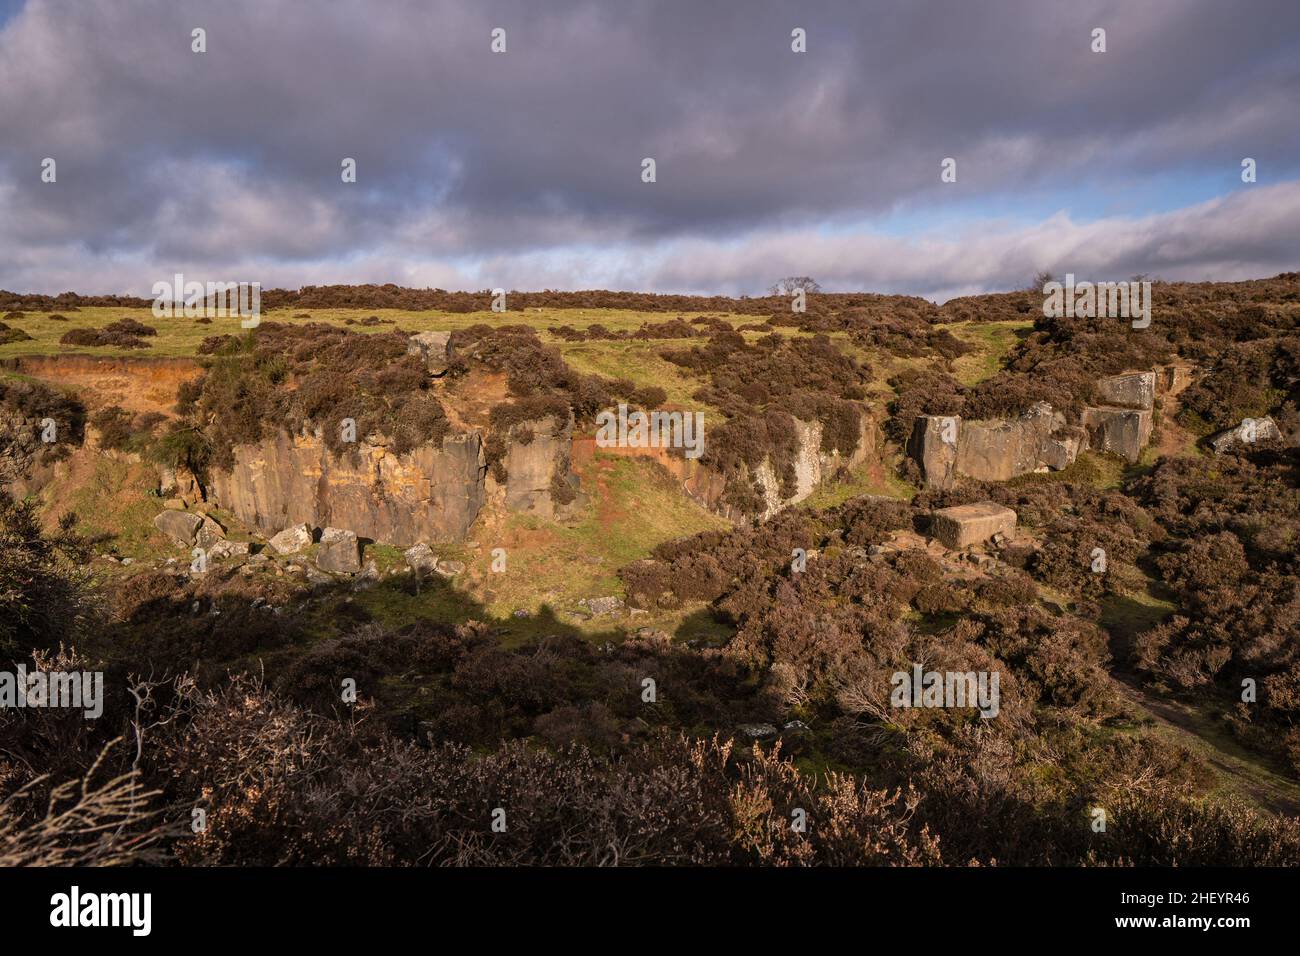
(1250, 431)
(1123, 431)
(946, 447)
(539, 478)
(434, 348)
(933, 446)
(429, 494)
(1129, 390)
(964, 525)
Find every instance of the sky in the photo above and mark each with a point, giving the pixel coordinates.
(524, 169)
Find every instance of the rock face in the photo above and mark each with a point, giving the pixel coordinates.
(429, 494)
(965, 525)
(1130, 390)
(1250, 431)
(181, 526)
(534, 469)
(708, 487)
(339, 551)
(434, 348)
(292, 539)
(26, 463)
(946, 447)
(812, 465)
(1124, 431)
(933, 445)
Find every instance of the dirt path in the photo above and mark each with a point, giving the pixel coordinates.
(1241, 771)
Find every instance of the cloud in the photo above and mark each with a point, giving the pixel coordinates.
(473, 165)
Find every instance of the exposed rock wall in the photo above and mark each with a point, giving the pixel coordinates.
(23, 466)
(946, 447)
(708, 487)
(430, 494)
(534, 470)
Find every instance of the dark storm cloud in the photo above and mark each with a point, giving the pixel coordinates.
(232, 157)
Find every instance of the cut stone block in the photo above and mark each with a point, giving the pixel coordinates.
(292, 539)
(1130, 390)
(933, 445)
(1124, 431)
(964, 525)
(339, 552)
(434, 348)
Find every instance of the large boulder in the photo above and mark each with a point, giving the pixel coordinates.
(1250, 431)
(421, 559)
(339, 551)
(1062, 448)
(933, 445)
(1124, 431)
(434, 348)
(998, 450)
(1130, 390)
(210, 532)
(181, 526)
(964, 525)
(293, 539)
(945, 446)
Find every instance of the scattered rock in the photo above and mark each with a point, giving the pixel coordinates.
(449, 569)
(228, 549)
(434, 348)
(602, 605)
(757, 731)
(292, 539)
(180, 526)
(368, 577)
(1250, 431)
(339, 551)
(421, 559)
(210, 533)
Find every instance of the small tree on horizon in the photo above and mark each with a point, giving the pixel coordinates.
(793, 283)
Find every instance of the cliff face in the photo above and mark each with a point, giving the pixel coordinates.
(812, 467)
(430, 494)
(24, 459)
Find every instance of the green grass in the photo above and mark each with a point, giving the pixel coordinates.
(115, 506)
(551, 565)
(861, 482)
(637, 362)
(993, 342)
(180, 336)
